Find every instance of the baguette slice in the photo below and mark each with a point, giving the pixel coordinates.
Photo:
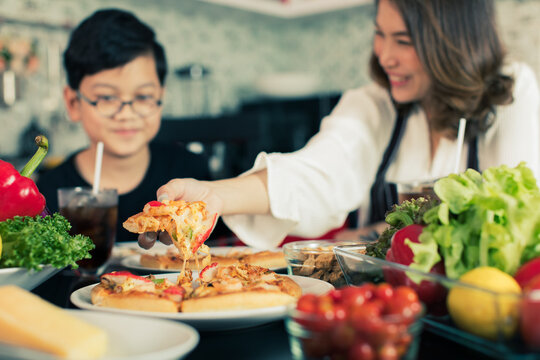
(27, 320)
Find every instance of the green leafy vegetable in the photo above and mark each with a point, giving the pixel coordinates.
(488, 219)
(407, 213)
(33, 241)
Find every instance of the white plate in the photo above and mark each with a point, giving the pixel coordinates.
(129, 248)
(134, 261)
(24, 278)
(161, 339)
(212, 320)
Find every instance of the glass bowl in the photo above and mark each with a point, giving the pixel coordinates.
(504, 340)
(314, 336)
(316, 259)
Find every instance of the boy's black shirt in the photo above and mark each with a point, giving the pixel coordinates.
(167, 161)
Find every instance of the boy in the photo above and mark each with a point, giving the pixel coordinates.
(116, 74)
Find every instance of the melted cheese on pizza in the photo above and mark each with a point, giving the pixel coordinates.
(124, 282)
(236, 278)
(187, 223)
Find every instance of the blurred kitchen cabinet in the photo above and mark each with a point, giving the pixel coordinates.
(290, 8)
(232, 142)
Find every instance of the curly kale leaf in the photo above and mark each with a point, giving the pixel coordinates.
(30, 242)
(407, 213)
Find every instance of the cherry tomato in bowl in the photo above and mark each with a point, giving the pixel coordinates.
(377, 321)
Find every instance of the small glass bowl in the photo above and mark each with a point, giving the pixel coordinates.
(312, 336)
(316, 259)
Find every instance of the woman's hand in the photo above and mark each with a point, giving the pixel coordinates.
(239, 195)
(188, 190)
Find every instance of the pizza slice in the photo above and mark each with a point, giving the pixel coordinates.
(188, 224)
(240, 286)
(124, 290)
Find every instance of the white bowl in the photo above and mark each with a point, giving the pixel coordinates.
(24, 278)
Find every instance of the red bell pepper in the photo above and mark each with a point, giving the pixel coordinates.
(19, 195)
(399, 252)
(527, 272)
(530, 313)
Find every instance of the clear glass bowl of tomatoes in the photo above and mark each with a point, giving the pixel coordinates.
(356, 322)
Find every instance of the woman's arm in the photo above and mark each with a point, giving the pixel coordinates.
(239, 195)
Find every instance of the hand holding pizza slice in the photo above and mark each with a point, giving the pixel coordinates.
(188, 223)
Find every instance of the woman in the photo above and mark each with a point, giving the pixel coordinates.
(433, 63)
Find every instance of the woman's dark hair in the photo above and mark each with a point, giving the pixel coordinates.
(107, 39)
(458, 45)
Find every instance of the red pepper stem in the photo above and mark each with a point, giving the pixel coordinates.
(43, 146)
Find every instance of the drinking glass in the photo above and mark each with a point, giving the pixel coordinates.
(93, 215)
(415, 189)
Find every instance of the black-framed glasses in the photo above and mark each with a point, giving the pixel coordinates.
(109, 106)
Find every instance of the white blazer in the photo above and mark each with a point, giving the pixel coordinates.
(312, 190)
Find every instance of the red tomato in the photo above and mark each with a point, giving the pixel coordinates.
(362, 350)
(384, 292)
(388, 352)
(530, 314)
(367, 318)
(325, 304)
(308, 303)
(527, 271)
(342, 337)
(339, 312)
(353, 297)
(403, 344)
(406, 293)
(401, 306)
(336, 295)
(368, 290)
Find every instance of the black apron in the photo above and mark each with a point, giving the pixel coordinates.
(384, 194)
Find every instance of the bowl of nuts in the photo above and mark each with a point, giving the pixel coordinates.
(316, 259)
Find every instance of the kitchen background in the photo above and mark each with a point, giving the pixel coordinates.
(256, 68)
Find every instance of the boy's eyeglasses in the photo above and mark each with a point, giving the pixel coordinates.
(109, 106)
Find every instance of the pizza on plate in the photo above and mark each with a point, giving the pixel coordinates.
(172, 259)
(218, 288)
(124, 290)
(188, 224)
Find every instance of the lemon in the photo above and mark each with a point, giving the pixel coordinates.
(484, 313)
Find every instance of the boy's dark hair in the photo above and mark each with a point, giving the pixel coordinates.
(107, 39)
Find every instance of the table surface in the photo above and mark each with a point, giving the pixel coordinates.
(268, 341)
